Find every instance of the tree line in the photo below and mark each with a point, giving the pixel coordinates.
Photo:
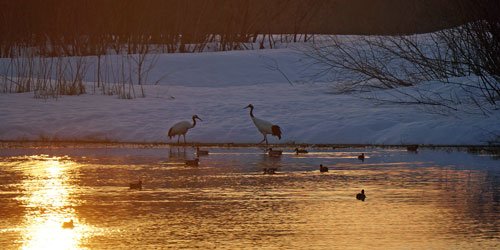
(95, 27)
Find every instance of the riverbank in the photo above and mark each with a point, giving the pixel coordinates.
(217, 86)
(474, 149)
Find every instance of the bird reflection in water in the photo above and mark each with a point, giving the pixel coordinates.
(177, 154)
(136, 185)
(269, 165)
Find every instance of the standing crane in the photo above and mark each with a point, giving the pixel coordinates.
(136, 185)
(264, 127)
(181, 128)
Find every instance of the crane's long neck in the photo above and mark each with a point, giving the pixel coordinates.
(194, 123)
(251, 112)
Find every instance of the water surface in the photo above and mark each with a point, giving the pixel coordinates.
(432, 199)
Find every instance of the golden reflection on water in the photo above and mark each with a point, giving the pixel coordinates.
(47, 198)
(227, 202)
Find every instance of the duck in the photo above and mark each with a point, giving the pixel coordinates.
(361, 196)
(300, 151)
(194, 162)
(68, 224)
(322, 168)
(272, 152)
(361, 157)
(136, 185)
(412, 148)
(201, 152)
(270, 170)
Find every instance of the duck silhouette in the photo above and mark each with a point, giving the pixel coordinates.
(361, 196)
(300, 151)
(68, 224)
(201, 152)
(274, 153)
(322, 168)
(412, 148)
(194, 162)
(136, 185)
(270, 170)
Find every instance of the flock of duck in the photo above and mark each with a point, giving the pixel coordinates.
(271, 152)
(264, 127)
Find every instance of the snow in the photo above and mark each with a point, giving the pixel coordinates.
(217, 87)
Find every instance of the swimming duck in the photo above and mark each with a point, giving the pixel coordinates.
(323, 169)
(361, 196)
(192, 162)
(136, 185)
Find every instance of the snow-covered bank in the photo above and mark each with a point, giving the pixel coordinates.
(306, 114)
(217, 86)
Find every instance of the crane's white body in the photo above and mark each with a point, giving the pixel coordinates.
(181, 128)
(264, 126)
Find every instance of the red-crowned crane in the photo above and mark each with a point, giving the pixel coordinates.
(201, 152)
(68, 224)
(270, 170)
(264, 127)
(181, 128)
(275, 153)
(194, 162)
(300, 151)
(412, 148)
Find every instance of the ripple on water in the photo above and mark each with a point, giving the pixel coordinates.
(227, 202)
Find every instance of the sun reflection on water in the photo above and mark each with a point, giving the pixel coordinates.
(228, 201)
(48, 204)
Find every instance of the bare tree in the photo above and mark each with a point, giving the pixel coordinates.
(462, 60)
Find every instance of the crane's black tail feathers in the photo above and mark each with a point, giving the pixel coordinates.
(276, 131)
(170, 135)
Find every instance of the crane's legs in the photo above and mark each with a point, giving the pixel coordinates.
(184, 135)
(178, 138)
(264, 140)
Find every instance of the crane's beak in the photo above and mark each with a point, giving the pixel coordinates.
(199, 118)
(246, 107)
